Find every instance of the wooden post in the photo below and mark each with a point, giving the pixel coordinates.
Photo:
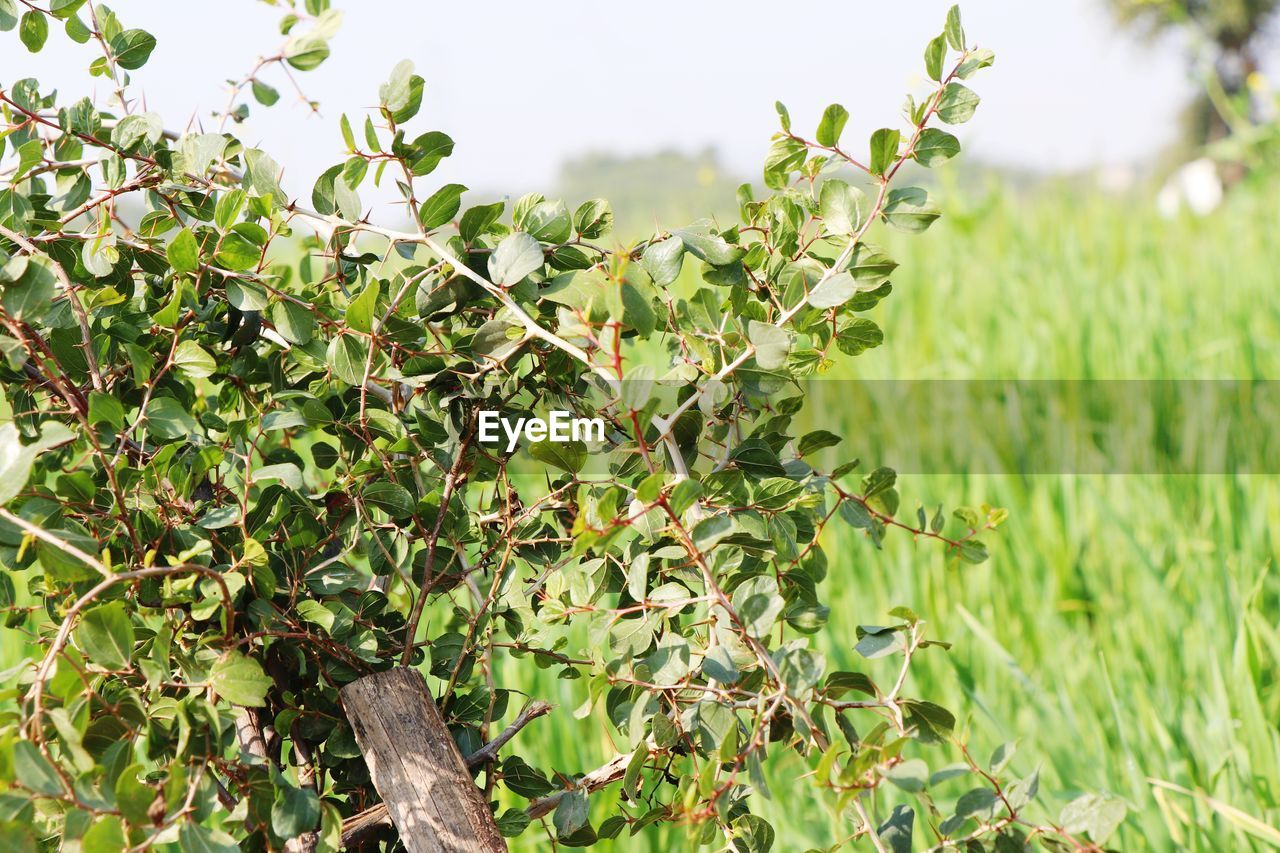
(415, 765)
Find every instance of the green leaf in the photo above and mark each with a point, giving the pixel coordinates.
(663, 260)
(194, 838)
(105, 836)
(392, 498)
(870, 266)
(246, 295)
(198, 150)
(934, 147)
(708, 532)
(306, 52)
(8, 15)
(131, 130)
(362, 310)
(785, 156)
(33, 30)
(194, 360)
(814, 441)
(549, 222)
(241, 249)
(132, 48)
(442, 206)
(479, 219)
(683, 496)
(784, 117)
(294, 810)
(414, 102)
(772, 344)
(98, 258)
(711, 248)
(884, 149)
(758, 604)
(394, 94)
(957, 104)
(934, 55)
(571, 813)
(568, 456)
(833, 291)
(16, 458)
(896, 832)
(977, 60)
(800, 669)
(512, 822)
(30, 296)
(183, 253)
(426, 152)
(264, 94)
(753, 834)
(295, 323)
(1002, 756)
(973, 551)
(105, 409)
(33, 770)
(832, 125)
(1095, 814)
(166, 419)
(593, 219)
(524, 780)
(106, 635)
(910, 775)
(954, 31)
(516, 256)
(240, 680)
(635, 767)
(975, 803)
(346, 358)
(841, 206)
(755, 458)
(262, 176)
(669, 661)
(910, 209)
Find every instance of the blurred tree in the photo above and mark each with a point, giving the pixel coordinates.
(1230, 32)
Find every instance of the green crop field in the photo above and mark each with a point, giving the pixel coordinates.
(1126, 632)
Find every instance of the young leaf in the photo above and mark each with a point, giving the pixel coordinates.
(832, 125)
(884, 149)
(106, 634)
(663, 260)
(934, 55)
(772, 344)
(957, 104)
(183, 253)
(954, 31)
(841, 206)
(934, 147)
(516, 256)
(240, 680)
(33, 30)
(833, 291)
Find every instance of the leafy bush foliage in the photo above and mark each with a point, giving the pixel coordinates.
(240, 467)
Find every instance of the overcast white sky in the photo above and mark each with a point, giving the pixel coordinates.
(521, 86)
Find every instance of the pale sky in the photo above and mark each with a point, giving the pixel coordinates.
(521, 86)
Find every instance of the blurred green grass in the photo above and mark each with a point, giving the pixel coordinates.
(1127, 627)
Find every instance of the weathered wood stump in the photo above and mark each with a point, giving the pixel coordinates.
(416, 767)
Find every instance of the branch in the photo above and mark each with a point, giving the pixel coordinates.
(64, 630)
(359, 825)
(489, 751)
(82, 318)
(603, 775)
